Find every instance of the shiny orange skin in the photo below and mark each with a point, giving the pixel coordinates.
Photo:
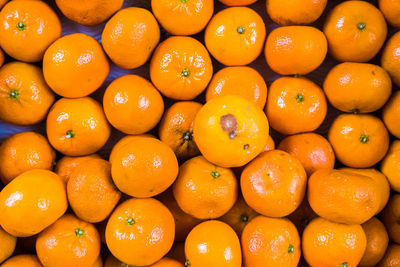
(89, 13)
(274, 183)
(145, 224)
(356, 31)
(391, 114)
(213, 243)
(392, 257)
(25, 98)
(204, 190)
(66, 165)
(36, 194)
(377, 242)
(390, 59)
(77, 127)
(391, 217)
(144, 167)
(330, 244)
(183, 17)
(359, 141)
(295, 105)
(27, 29)
(75, 59)
(302, 216)
(270, 242)
(176, 128)
(122, 142)
(131, 98)
(240, 27)
(130, 37)
(242, 81)
(230, 131)
(167, 262)
(295, 49)
(237, 2)
(25, 260)
(311, 149)
(7, 245)
(181, 68)
(390, 165)
(357, 87)
(62, 244)
(391, 11)
(22, 152)
(270, 144)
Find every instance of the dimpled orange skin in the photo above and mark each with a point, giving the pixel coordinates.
(181, 68)
(270, 242)
(22, 152)
(230, 131)
(122, 142)
(130, 37)
(25, 98)
(75, 59)
(356, 31)
(392, 256)
(7, 245)
(390, 59)
(167, 262)
(25, 260)
(242, 81)
(144, 224)
(357, 87)
(359, 141)
(390, 165)
(77, 127)
(131, 98)
(213, 243)
(391, 114)
(329, 244)
(68, 242)
(391, 11)
(295, 105)
(176, 128)
(377, 242)
(36, 194)
(66, 165)
(391, 217)
(242, 28)
(295, 49)
(27, 29)
(237, 2)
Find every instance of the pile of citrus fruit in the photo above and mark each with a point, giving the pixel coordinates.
(200, 133)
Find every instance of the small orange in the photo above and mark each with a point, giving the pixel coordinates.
(7, 245)
(129, 99)
(390, 59)
(295, 49)
(270, 144)
(391, 218)
(130, 37)
(392, 257)
(213, 243)
(237, 2)
(270, 242)
(356, 31)
(25, 260)
(25, 97)
(391, 165)
(295, 105)
(391, 11)
(27, 29)
(75, 59)
(77, 127)
(230, 131)
(391, 114)
(240, 27)
(167, 262)
(302, 216)
(242, 81)
(122, 142)
(359, 141)
(66, 165)
(181, 68)
(144, 224)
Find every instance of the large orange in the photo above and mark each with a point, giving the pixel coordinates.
(390, 59)
(7, 245)
(391, 218)
(391, 11)
(66, 165)
(392, 257)
(25, 260)
(391, 114)
(391, 165)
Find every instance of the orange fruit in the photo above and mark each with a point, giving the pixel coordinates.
(68, 242)
(144, 167)
(391, 11)
(167, 262)
(130, 37)
(295, 49)
(176, 128)
(241, 81)
(181, 68)
(392, 257)
(213, 243)
(183, 17)
(205, 190)
(25, 260)
(22, 152)
(302, 216)
(356, 31)
(66, 165)
(274, 183)
(36, 194)
(390, 59)
(89, 13)
(357, 87)
(240, 27)
(7, 245)
(237, 2)
(122, 142)
(77, 127)
(75, 59)
(270, 144)
(391, 165)
(230, 131)
(330, 244)
(25, 97)
(391, 218)
(270, 242)
(311, 149)
(132, 98)
(295, 105)
(27, 29)
(391, 114)
(359, 141)
(144, 224)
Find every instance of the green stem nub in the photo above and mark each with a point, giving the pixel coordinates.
(361, 26)
(130, 221)
(299, 98)
(244, 218)
(215, 174)
(21, 26)
(187, 263)
(70, 134)
(344, 264)
(79, 232)
(188, 136)
(364, 138)
(240, 30)
(291, 249)
(184, 1)
(14, 94)
(185, 72)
